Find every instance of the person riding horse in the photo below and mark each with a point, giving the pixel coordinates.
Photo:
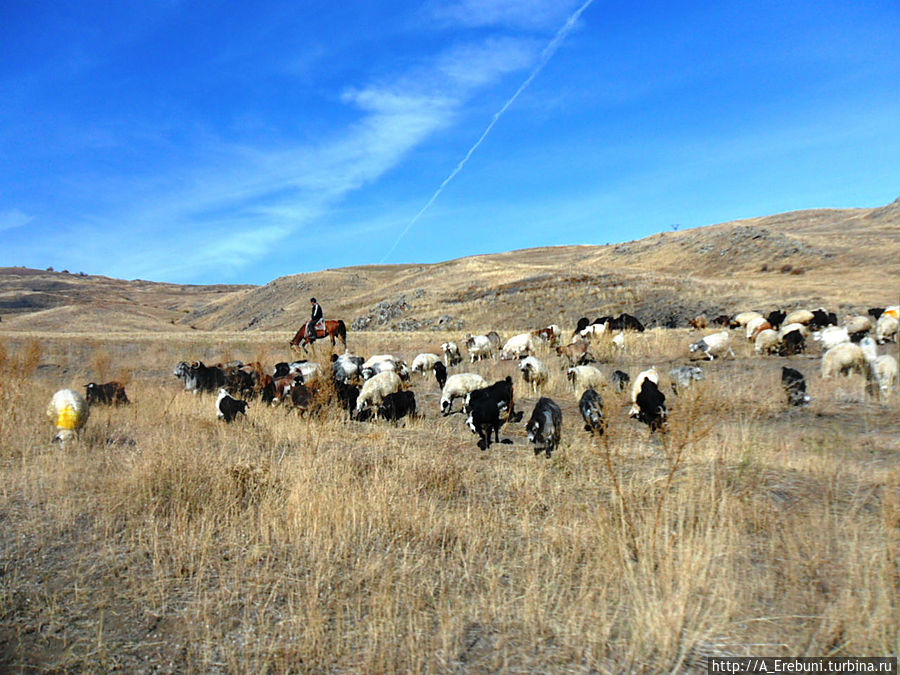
(316, 318)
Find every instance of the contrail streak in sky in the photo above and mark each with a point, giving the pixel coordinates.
(546, 55)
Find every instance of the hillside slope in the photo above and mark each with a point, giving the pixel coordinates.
(846, 259)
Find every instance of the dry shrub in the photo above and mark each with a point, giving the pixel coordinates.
(290, 543)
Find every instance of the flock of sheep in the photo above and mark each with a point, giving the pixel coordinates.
(379, 387)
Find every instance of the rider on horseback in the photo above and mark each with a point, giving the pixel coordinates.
(316, 317)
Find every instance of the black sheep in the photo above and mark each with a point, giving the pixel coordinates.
(440, 374)
(397, 405)
(651, 403)
(591, 407)
(545, 426)
(228, 408)
(484, 418)
(795, 385)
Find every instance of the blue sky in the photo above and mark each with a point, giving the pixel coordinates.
(234, 142)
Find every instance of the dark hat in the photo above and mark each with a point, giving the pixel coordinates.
(312, 299)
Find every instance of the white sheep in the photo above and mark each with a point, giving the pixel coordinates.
(886, 328)
(451, 353)
(68, 411)
(843, 358)
(831, 336)
(457, 386)
(882, 370)
(884, 373)
(801, 316)
(424, 363)
(382, 363)
(619, 341)
(791, 327)
(479, 346)
(716, 344)
(376, 388)
(583, 377)
(518, 346)
(743, 318)
(309, 370)
(858, 324)
(755, 325)
(595, 330)
(534, 372)
(766, 342)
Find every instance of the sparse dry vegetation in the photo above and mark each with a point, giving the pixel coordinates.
(285, 543)
(164, 540)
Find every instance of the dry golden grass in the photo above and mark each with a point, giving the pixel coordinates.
(164, 539)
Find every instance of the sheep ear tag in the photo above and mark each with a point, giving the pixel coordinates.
(67, 418)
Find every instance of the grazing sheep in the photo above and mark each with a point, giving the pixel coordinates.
(882, 370)
(650, 374)
(683, 376)
(545, 426)
(858, 327)
(534, 372)
(743, 318)
(831, 336)
(792, 343)
(484, 418)
(111, 393)
(711, 346)
(68, 410)
(620, 379)
(651, 405)
(518, 346)
(457, 386)
(884, 373)
(792, 328)
(886, 328)
(754, 326)
(375, 389)
(397, 405)
(440, 374)
(591, 407)
(618, 341)
(801, 316)
(842, 359)
(495, 339)
(479, 346)
(576, 353)
(795, 385)
(766, 342)
(549, 334)
(776, 318)
(385, 363)
(593, 331)
(346, 368)
(227, 407)
(583, 377)
(451, 353)
(699, 322)
(424, 362)
(502, 396)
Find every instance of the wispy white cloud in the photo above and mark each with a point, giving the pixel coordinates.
(13, 218)
(534, 14)
(242, 203)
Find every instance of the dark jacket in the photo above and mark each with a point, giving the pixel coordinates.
(317, 313)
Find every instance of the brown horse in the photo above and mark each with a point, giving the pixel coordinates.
(334, 328)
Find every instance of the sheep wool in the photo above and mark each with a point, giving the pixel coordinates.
(68, 410)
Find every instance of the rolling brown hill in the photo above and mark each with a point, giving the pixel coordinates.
(845, 259)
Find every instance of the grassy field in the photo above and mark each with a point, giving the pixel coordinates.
(164, 540)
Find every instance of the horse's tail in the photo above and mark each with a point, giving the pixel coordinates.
(342, 331)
